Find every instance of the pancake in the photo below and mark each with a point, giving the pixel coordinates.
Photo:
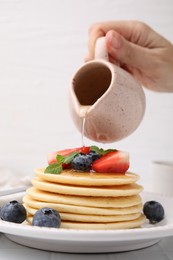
(89, 218)
(81, 209)
(87, 200)
(101, 202)
(87, 178)
(104, 191)
(98, 219)
(100, 226)
(114, 225)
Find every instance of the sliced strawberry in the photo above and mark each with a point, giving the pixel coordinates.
(115, 162)
(52, 156)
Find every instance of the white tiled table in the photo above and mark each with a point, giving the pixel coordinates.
(12, 251)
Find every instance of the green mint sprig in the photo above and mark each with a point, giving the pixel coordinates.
(54, 168)
(57, 167)
(101, 151)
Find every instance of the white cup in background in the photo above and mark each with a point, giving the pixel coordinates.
(160, 179)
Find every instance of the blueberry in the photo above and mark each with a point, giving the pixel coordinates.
(153, 211)
(13, 211)
(81, 162)
(46, 217)
(94, 155)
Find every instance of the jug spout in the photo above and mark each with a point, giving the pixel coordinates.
(83, 110)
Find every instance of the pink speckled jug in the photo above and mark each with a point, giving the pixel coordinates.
(106, 98)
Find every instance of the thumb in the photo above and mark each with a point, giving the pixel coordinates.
(126, 52)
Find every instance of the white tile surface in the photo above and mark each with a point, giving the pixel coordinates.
(41, 45)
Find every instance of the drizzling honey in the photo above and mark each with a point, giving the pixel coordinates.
(83, 114)
(82, 131)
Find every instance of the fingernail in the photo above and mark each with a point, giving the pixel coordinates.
(114, 39)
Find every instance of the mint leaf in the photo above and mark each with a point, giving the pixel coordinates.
(96, 149)
(56, 168)
(59, 158)
(53, 168)
(101, 151)
(70, 157)
(109, 150)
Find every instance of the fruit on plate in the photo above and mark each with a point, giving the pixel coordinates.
(13, 211)
(52, 156)
(88, 158)
(153, 211)
(115, 161)
(47, 217)
(82, 162)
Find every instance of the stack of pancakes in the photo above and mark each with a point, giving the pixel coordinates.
(87, 200)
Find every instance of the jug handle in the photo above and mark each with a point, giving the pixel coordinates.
(100, 49)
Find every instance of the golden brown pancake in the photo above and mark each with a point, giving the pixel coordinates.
(89, 218)
(87, 200)
(104, 191)
(135, 223)
(101, 202)
(81, 209)
(72, 177)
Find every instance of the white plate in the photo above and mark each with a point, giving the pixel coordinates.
(91, 241)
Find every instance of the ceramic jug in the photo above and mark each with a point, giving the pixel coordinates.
(106, 99)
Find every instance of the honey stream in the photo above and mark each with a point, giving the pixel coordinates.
(83, 113)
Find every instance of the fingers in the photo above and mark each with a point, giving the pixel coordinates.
(130, 30)
(137, 48)
(128, 53)
(135, 32)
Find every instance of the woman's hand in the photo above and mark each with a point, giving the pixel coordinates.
(139, 49)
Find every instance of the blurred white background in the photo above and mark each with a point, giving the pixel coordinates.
(42, 43)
